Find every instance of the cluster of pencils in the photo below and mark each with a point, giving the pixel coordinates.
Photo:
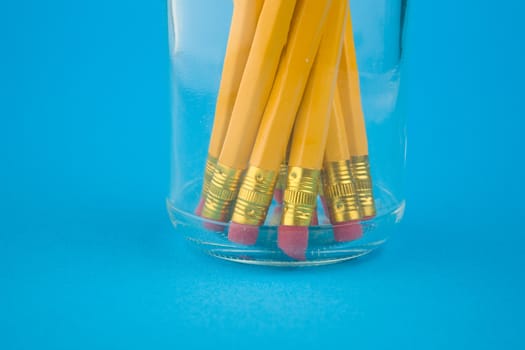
(289, 123)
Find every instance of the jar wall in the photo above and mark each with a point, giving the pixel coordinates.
(198, 37)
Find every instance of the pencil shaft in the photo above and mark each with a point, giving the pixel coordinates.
(348, 83)
(257, 187)
(256, 83)
(242, 29)
(337, 141)
(311, 125)
(289, 85)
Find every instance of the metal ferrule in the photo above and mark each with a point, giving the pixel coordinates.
(255, 196)
(222, 192)
(211, 163)
(300, 196)
(360, 167)
(340, 192)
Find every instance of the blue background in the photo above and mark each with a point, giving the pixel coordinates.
(88, 258)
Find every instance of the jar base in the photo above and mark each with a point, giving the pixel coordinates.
(324, 247)
(245, 259)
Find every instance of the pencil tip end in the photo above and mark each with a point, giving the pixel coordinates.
(243, 234)
(293, 241)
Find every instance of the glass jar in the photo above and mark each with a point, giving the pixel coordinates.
(288, 140)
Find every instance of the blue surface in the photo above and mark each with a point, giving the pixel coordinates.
(88, 258)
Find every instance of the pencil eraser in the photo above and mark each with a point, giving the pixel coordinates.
(325, 206)
(315, 218)
(278, 195)
(275, 217)
(198, 210)
(211, 226)
(243, 234)
(293, 241)
(347, 231)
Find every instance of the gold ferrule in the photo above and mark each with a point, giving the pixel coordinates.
(222, 192)
(283, 172)
(300, 196)
(360, 167)
(211, 163)
(340, 192)
(255, 196)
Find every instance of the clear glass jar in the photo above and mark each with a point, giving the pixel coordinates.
(270, 77)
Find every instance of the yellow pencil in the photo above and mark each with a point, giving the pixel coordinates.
(274, 132)
(340, 196)
(310, 137)
(348, 83)
(255, 86)
(242, 29)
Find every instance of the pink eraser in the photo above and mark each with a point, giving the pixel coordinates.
(347, 231)
(325, 206)
(243, 234)
(198, 210)
(315, 218)
(208, 225)
(293, 241)
(214, 226)
(278, 195)
(275, 217)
